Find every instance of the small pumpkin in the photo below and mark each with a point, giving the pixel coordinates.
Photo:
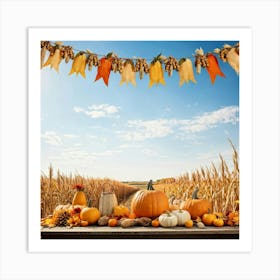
(79, 196)
(218, 222)
(189, 223)
(90, 214)
(121, 211)
(84, 223)
(149, 203)
(195, 206)
(155, 223)
(182, 216)
(208, 218)
(112, 222)
(168, 220)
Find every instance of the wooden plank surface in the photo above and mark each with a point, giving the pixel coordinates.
(98, 232)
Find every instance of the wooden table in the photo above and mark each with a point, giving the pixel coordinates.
(98, 232)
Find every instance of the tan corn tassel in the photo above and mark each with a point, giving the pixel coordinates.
(233, 60)
(79, 65)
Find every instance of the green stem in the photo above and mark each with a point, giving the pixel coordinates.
(194, 194)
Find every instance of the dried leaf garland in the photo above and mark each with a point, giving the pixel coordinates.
(142, 67)
(156, 72)
(171, 64)
(230, 55)
(213, 68)
(128, 74)
(79, 64)
(44, 48)
(186, 73)
(200, 60)
(54, 59)
(233, 60)
(104, 69)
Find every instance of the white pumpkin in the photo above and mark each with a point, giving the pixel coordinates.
(182, 216)
(168, 220)
(107, 202)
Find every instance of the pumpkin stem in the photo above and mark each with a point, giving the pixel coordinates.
(194, 194)
(150, 186)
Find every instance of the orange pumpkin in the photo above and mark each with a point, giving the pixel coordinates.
(112, 222)
(90, 214)
(196, 207)
(189, 223)
(155, 223)
(208, 218)
(121, 211)
(149, 203)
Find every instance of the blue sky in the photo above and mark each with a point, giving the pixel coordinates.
(137, 133)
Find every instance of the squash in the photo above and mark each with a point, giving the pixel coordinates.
(195, 206)
(218, 222)
(121, 211)
(155, 223)
(79, 197)
(189, 223)
(112, 222)
(90, 214)
(182, 216)
(208, 218)
(168, 220)
(107, 202)
(149, 203)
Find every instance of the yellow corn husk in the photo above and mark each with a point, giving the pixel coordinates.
(233, 60)
(128, 75)
(186, 73)
(54, 60)
(79, 65)
(156, 74)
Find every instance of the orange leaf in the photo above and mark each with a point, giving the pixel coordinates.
(104, 70)
(213, 69)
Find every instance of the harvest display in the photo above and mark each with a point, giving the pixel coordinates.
(148, 207)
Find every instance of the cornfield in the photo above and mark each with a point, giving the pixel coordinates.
(56, 190)
(217, 184)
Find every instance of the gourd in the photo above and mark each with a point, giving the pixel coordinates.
(121, 211)
(107, 202)
(195, 206)
(149, 203)
(189, 223)
(182, 216)
(90, 214)
(208, 218)
(168, 220)
(155, 223)
(79, 197)
(112, 222)
(218, 222)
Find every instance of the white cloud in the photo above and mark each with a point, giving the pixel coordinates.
(71, 136)
(99, 111)
(106, 153)
(147, 129)
(149, 152)
(139, 130)
(52, 138)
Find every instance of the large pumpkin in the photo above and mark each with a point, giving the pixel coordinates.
(149, 203)
(195, 206)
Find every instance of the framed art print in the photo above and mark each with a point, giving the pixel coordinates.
(140, 136)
